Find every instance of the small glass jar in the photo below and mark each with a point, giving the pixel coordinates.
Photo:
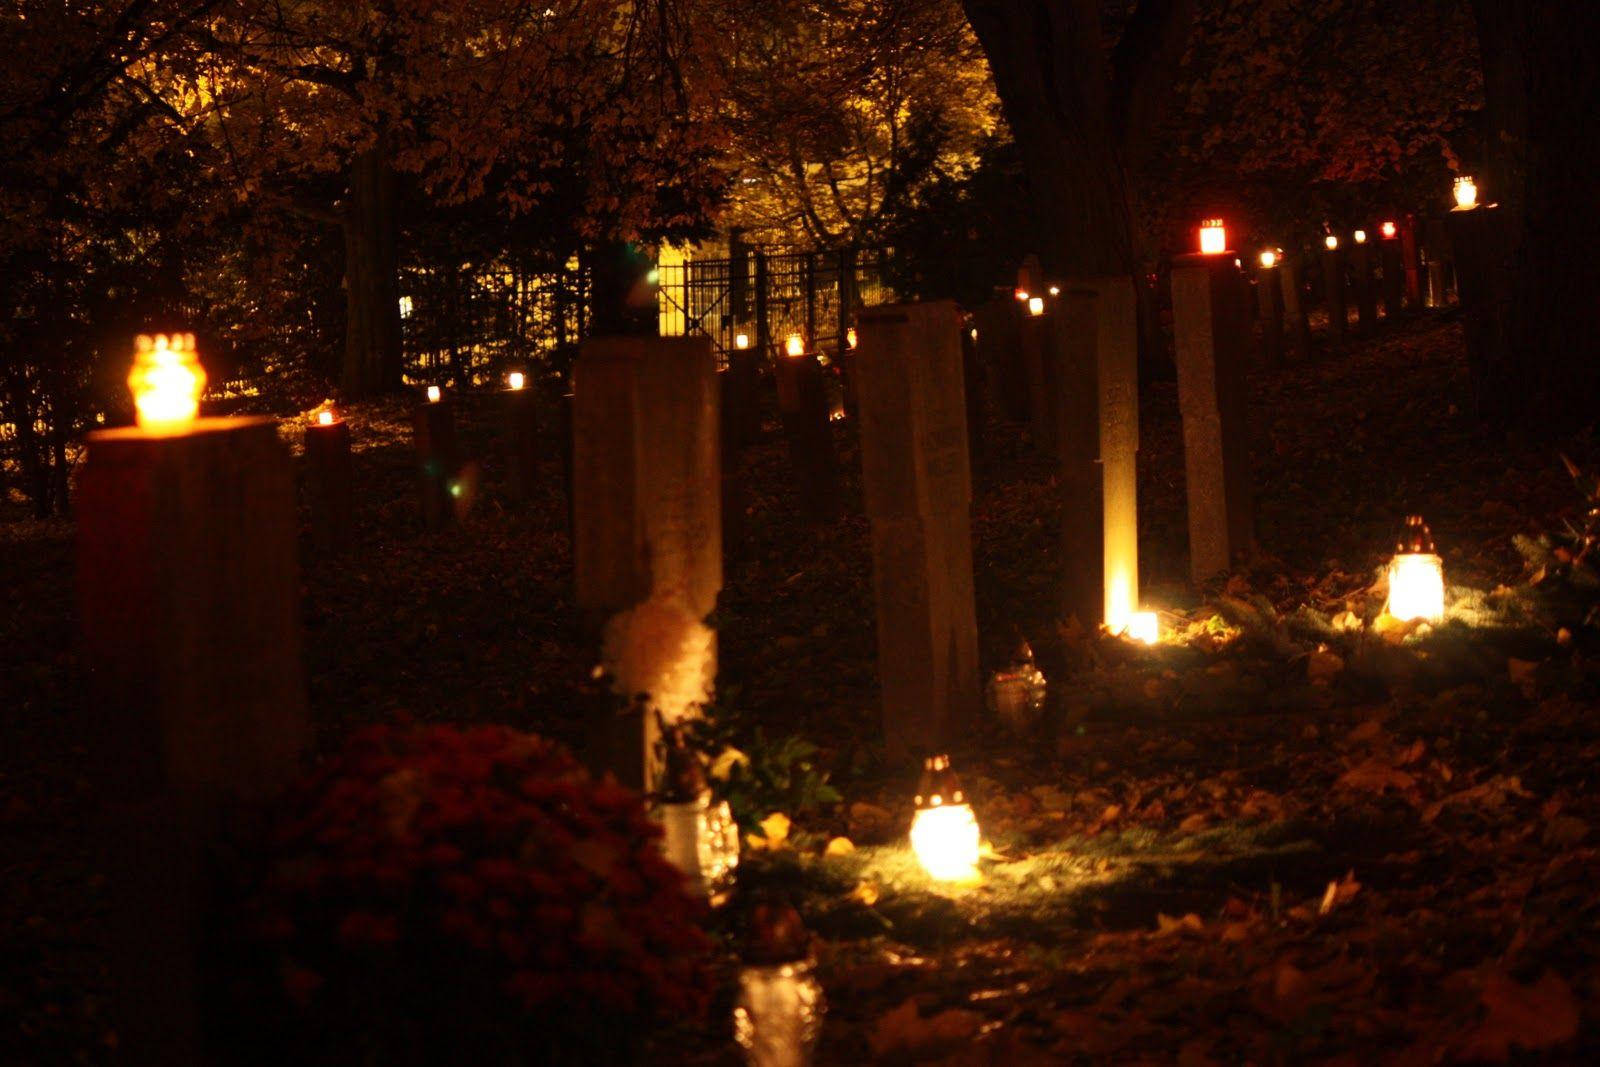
(1017, 692)
(701, 840)
(777, 1019)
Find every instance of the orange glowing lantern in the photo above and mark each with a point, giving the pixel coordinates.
(167, 380)
(1466, 193)
(741, 341)
(1416, 575)
(1213, 237)
(1269, 258)
(850, 337)
(1331, 241)
(794, 346)
(516, 379)
(944, 831)
(325, 417)
(1021, 294)
(1055, 290)
(434, 394)
(1036, 306)
(1360, 236)
(1388, 230)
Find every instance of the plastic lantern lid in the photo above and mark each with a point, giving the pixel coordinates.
(1415, 537)
(939, 785)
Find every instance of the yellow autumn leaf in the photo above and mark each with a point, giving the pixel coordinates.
(774, 833)
(839, 846)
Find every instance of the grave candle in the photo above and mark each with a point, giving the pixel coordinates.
(1416, 575)
(516, 380)
(1213, 237)
(166, 381)
(944, 831)
(1466, 193)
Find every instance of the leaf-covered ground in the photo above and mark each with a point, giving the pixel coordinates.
(1283, 836)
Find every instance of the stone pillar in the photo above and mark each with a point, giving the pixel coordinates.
(803, 404)
(1366, 292)
(1210, 323)
(433, 430)
(646, 476)
(1411, 253)
(1269, 310)
(1394, 279)
(734, 498)
(999, 327)
(520, 415)
(917, 486)
(1117, 360)
(1478, 239)
(1291, 273)
(189, 600)
(1440, 259)
(1074, 337)
(1039, 358)
(1333, 286)
(329, 481)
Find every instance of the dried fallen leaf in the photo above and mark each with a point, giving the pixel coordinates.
(1534, 1017)
(1167, 926)
(839, 846)
(903, 1030)
(1375, 776)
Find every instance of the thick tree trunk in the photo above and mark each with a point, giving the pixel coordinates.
(372, 264)
(1541, 66)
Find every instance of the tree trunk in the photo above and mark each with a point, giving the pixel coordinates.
(1541, 65)
(372, 264)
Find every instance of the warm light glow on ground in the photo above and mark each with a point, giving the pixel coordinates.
(945, 840)
(1144, 627)
(166, 381)
(1416, 587)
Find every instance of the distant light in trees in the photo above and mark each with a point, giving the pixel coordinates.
(944, 831)
(1388, 230)
(794, 345)
(1269, 258)
(1416, 575)
(516, 380)
(1213, 237)
(1360, 236)
(1036, 305)
(1466, 193)
(405, 307)
(167, 380)
(1331, 241)
(1055, 290)
(433, 394)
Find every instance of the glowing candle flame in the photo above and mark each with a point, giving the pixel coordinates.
(794, 345)
(1022, 295)
(974, 332)
(1269, 259)
(166, 381)
(433, 394)
(324, 417)
(1213, 237)
(1388, 231)
(1466, 193)
(850, 337)
(1360, 236)
(516, 380)
(944, 831)
(741, 341)
(1036, 305)
(1330, 242)
(1055, 290)
(1144, 627)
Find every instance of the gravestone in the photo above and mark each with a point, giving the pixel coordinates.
(917, 486)
(999, 325)
(520, 415)
(1291, 271)
(1269, 312)
(189, 599)
(329, 486)
(1366, 291)
(1394, 277)
(803, 405)
(1333, 285)
(1116, 356)
(433, 429)
(646, 475)
(1074, 344)
(1210, 327)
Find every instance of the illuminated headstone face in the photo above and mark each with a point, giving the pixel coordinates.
(1213, 237)
(1466, 193)
(433, 394)
(794, 345)
(167, 380)
(1269, 259)
(516, 380)
(944, 831)
(1330, 242)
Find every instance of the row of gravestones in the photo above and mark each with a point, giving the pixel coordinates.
(189, 585)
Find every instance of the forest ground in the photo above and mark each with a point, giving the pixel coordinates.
(1271, 839)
